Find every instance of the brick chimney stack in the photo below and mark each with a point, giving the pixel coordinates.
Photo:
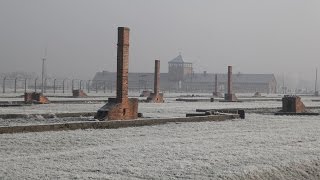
(216, 84)
(121, 107)
(122, 64)
(229, 80)
(156, 76)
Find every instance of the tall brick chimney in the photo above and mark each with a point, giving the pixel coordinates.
(121, 107)
(156, 76)
(230, 97)
(229, 80)
(156, 96)
(122, 64)
(216, 84)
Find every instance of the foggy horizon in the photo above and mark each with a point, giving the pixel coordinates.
(279, 37)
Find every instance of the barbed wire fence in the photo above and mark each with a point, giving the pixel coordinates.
(53, 85)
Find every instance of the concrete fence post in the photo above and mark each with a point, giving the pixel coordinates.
(45, 85)
(25, 85)
(4, 85)
(15, 85)
(35, 85)
(96, 86)
(63, 85)
(72, 84)
(54, 86)
(80, 84)
(88, 86)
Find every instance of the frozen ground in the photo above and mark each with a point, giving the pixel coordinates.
(260, 147)
(170, 108)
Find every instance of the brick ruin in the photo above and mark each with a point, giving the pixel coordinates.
(121, 107)
(78, 93)
(35, 98)
(230, 97)
(292, 104)
(156, 96)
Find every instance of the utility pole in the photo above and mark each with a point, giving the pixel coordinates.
(42, 75)
(43, 70)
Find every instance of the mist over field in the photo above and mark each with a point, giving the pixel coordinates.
(279, 37)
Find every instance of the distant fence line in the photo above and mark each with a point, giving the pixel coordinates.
(54, 85)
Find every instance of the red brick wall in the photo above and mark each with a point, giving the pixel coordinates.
(35, 97)
(292, 104)
(124, 111)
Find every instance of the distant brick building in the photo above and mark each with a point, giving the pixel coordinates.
(180, 78)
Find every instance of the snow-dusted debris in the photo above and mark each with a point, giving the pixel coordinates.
(262, 146)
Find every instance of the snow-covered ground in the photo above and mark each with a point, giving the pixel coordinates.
(171, 108)
(167, 109)
(259, 147)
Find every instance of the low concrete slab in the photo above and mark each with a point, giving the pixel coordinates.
(195, 100)
(111, 124)
(48, 115)
(297, 114)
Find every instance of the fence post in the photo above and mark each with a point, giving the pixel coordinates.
(45, 85)
(80, 84)
(4, 85)
(35, 85)
(72, 84)
(63, 85)
(88, 86)
(15, 85)
(54, 86)
(96, 86)
(25, 85)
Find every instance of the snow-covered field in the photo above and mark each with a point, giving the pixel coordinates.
(259, 147)
(150, 110)
(170, 108)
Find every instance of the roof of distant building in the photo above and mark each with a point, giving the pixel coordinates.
(177, 59)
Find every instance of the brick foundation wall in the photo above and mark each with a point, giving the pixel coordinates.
(35, 97)
(292, 104)
(79, 93)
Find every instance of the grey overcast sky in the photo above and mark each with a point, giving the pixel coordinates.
(255, 36)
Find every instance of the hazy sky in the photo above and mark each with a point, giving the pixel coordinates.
(255, 36)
